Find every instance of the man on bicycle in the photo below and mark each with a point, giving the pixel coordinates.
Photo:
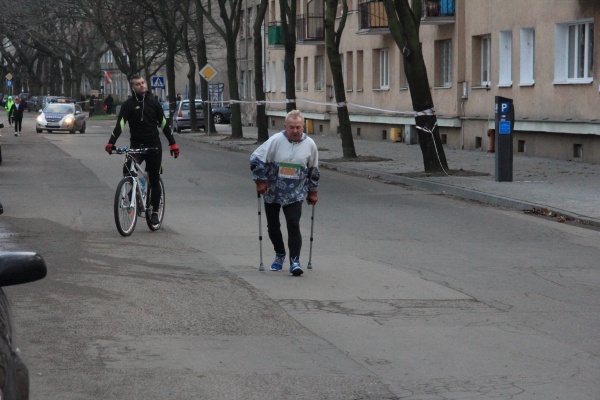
(145, 115)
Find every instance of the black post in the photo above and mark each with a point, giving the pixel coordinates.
(505, 122)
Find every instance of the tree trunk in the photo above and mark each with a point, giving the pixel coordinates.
(335, 63)
(404, 28)
(288, 23)
(261, 114)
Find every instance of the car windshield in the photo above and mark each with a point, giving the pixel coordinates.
(59, 108)
(186, 106)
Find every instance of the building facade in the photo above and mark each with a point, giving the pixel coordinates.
(539, 53)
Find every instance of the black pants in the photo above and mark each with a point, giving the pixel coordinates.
(292, 213)
(153, 162)
(18, 122)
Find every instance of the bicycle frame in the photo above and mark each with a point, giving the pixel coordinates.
(134, 169)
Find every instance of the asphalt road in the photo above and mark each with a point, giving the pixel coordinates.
(412, 295)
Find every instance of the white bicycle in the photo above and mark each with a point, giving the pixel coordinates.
(133, 195)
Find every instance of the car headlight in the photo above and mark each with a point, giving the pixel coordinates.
(69, 119)
(41, 119)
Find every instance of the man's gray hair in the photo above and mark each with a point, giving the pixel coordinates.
(294, 114)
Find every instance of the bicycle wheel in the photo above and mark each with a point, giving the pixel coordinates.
(125, 209)
(161, 207)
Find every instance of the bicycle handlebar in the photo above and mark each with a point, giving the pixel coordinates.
(127, 150)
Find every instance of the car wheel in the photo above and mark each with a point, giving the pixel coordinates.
(218, 119)
(49, 131)
(177, 128)
(82, 130)
(38, 130)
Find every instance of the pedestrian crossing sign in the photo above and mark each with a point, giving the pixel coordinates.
(158, 82)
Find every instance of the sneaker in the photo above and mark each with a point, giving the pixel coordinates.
(16, 134)
(296, 268)
(154, 219)
(278, 262)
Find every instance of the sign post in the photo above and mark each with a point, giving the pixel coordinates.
(505, 122)
(208, 72)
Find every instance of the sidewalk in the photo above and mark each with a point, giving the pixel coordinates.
(565, 190)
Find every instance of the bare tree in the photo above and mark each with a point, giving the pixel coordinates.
(287, 10)
(332, 47)
(261, 105)
(229, 12)
(404, 24)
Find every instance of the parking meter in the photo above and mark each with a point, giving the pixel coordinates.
(505, 122)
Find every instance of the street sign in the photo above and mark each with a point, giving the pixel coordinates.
(8, 83)
(158, 82)
(9, 76)
(208, 72)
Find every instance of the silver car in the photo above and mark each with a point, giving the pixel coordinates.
(181, 118)
(61, 117)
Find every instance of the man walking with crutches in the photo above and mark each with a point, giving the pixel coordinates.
(285, 169)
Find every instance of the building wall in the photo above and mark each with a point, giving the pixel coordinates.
(553, 116)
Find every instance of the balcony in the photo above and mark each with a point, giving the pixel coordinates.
(275, 35)
(372, 18)
(438, 12)
(310, 28)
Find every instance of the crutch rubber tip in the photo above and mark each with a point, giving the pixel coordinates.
(261, 268)
(309, 266)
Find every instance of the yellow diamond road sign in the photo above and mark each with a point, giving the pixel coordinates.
(208, 72)
(9, 76)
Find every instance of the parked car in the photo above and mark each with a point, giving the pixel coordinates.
(165, 107)
(181, 118)
(15, 268)
(34, 103)
(221, 115)
(61, 117)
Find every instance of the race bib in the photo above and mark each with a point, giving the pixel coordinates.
(289, 171)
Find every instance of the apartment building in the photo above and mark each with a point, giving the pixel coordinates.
(540, 53)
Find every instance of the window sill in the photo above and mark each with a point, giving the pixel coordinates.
(349, 90)
(505, 85)
(442, 87)
(480, 88)
(381, 89)
(527, 84)
(585, 81)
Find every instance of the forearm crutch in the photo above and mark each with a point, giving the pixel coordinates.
(312, 225)
(261, 266)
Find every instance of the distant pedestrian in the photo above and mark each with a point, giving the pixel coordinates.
(108, 103)
(178, 98)
(82, 102)
(92, 104)
(285, 169)
(8, 105)
(16, 113)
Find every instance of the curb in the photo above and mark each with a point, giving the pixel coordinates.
(457, 191)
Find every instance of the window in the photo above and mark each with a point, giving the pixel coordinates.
(402, 80)
(505, 58)
(381, 76)
(305, 74)
(443, 50)
(574, 52)
(359, 70)
(243, 23)
(273, 76)
(527, 59)
(267, 76)
(243, 84)
(283, 88)
(251, 84)
(349, 70)
(298, 71)
(486, 60)
(319, 73)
